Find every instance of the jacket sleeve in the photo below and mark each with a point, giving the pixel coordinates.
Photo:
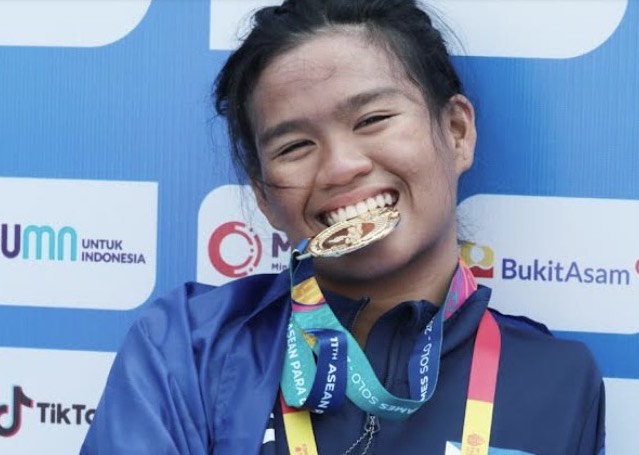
(593, 436)
(149, 405)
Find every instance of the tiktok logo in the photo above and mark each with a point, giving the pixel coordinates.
(19, 400)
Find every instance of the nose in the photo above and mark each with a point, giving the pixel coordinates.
(342, 162)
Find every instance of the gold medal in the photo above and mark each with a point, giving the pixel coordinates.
(350, 235)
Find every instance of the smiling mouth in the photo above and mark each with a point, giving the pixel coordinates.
(385, 199)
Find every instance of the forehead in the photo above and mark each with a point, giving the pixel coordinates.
(327, 52)
(329, 66)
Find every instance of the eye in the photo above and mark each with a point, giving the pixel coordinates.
(287, 149)
(372, 120)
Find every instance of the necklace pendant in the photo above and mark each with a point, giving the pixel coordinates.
(351, 235)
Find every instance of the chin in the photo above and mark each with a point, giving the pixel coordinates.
(371, 262)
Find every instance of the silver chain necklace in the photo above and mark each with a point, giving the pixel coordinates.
(371, 427)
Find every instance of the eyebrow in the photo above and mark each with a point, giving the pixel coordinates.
(281, 129)
(349, 105)
(360, 100)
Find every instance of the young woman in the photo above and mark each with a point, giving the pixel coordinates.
(350, 123)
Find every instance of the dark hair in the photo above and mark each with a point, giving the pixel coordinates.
(398, 26)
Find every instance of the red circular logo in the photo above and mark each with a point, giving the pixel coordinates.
(253, 253)
(637, 266)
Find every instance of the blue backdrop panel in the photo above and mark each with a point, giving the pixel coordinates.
(137, 112)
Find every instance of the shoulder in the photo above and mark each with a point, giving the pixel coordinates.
(197, 325)
(174, 355)
(521, 323)
(533, 355)
(190, 307)
(556, 380)
(535, 333)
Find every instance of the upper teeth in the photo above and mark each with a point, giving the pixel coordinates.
(351, 211)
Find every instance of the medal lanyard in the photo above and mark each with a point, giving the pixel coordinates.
(343, 370)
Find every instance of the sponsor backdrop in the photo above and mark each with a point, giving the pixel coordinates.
(115, 185)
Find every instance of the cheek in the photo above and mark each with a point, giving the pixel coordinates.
(415, 156)
(294, 175)
(286, 206)
(268, 176)
(276, 201)
(435, 162)
(427, 171)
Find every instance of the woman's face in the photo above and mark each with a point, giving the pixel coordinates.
(340, 128)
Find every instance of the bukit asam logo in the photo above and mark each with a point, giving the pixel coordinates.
(50, 243)
(236, 250)
(479, 258)
(482, 262)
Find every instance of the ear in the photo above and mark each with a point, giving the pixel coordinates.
(458, 126)
(261, 197)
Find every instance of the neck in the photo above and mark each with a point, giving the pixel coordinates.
(425, 278)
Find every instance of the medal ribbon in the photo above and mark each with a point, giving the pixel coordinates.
(479, 402)
(481, 388)
(314, 329)
(311, 315)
